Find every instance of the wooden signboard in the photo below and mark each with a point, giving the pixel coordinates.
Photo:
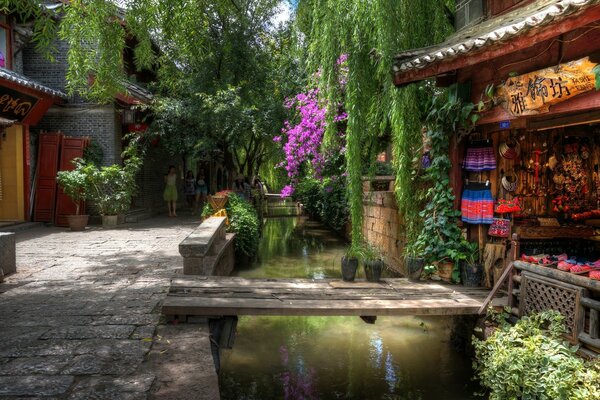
(535, 92)
(15, 105)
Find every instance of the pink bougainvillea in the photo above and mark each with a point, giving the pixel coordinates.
(302, 140)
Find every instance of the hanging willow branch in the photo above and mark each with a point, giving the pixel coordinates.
(371, 33)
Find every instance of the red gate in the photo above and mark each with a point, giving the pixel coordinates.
(72, 147)
(45, 180)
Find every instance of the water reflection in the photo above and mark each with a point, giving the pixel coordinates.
(309, 358)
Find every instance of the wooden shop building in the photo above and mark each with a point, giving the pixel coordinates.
(535, 66)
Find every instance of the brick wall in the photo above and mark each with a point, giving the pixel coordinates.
(150, 180)
(381, 226)
(97, 122)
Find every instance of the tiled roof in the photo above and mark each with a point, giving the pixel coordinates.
(19, 79)
(492, 31)
(138, 92)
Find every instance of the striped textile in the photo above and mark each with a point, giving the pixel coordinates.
(480, 159)
(477, 205)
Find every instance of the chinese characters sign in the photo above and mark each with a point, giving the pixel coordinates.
(15, 105)
(533, 93)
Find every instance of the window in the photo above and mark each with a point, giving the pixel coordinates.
(5, 42)
(468, 12)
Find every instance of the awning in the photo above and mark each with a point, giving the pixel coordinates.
(496, 37)
(23, 100)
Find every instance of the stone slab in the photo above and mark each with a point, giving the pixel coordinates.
(199, 242)
(8, 254)
(34, 385)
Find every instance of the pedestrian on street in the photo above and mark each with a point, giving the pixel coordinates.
(170, 193)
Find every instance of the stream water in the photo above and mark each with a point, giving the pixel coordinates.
(305, 358)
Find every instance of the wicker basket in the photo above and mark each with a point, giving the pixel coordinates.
(217, 202)
(445, 270)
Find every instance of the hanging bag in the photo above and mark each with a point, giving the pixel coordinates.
(500, 227)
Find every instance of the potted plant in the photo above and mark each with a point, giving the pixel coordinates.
(471, 269)
(75, 184)
(112, 187)
(413, 262)
(350, 263)
(372, 263)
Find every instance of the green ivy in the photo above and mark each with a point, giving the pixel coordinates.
(440, 237)
(531, 360)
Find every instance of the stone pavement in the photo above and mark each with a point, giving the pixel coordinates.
(79, 319)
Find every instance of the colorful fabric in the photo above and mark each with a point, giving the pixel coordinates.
(170, 193)
(500, 227)
(477, 204)
(480, 158)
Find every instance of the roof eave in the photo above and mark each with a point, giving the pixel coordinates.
(498, 49)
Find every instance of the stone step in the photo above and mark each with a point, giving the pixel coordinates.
(20, 226)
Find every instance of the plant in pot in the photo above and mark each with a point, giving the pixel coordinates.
(75, 184)
(350, 263)
(112, 187)
(372, 263)
(414, 262)
(471, 269)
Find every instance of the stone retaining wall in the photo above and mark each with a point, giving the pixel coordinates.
(382, 226)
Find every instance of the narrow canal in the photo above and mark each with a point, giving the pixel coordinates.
(305, 358)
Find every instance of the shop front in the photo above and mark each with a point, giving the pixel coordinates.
(527, 178)
(22, 104)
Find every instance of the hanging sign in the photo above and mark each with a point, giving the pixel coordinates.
(15, 105)
(535, 92)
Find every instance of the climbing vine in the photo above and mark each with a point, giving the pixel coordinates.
(440, 236)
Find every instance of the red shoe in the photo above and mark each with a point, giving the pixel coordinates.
(564, 266)
(580, 269)
(595, 275)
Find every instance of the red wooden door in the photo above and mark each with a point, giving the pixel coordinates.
(72, 147)
(45, 181)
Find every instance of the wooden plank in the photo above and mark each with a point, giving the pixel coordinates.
(274, 307)
(594, 324)
(496, 288)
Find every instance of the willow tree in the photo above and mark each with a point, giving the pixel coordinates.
(371, 32)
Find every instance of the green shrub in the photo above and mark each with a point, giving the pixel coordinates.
(325, 201)
(308, 192)
(243, 221)
(531, 360)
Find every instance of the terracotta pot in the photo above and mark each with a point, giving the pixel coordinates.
(78, 222)
(373, 270)
(414, 268)
(349, 267)
(110, 221)
(445, 270)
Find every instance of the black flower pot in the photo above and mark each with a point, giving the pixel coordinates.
(414, 267)
(373, 270)
(349, 267)
(471, 274)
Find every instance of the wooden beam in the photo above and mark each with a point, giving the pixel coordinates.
(500, 49)
(495, 290)
(559, 275)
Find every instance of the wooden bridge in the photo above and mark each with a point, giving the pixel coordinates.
(213, 296)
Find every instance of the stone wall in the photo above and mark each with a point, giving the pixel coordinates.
(381, 226)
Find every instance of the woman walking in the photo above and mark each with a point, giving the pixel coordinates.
(201, 191)
(170, 193)
(189, 189)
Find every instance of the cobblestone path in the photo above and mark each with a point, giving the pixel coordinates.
(79, 317)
